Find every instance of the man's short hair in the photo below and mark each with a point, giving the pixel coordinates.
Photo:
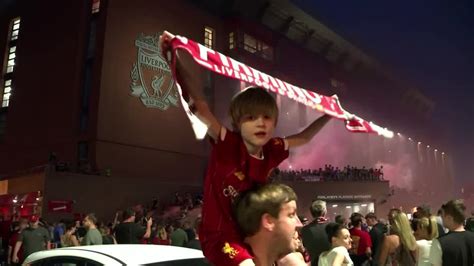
(318, 208)
(253, 101)
(455, 209)
(339, 219)
(91, 217)
(127, 213)
(253, 204)
(356, 219)
(371, 215)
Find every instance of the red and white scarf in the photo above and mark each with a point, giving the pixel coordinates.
(232, 68)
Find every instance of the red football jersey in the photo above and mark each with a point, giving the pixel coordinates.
(232, 170)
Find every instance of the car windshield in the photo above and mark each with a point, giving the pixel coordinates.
(186, 262)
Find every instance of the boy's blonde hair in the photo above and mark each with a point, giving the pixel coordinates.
(253, 101)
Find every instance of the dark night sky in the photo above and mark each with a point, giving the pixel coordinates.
(429, 44)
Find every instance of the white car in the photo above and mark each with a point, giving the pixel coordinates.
(158, 255)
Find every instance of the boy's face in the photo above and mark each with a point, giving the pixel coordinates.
(256, 131)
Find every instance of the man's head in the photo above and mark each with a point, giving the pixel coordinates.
(128, 215)
(371, 219)
(269, 212)
(318, 208)
(90, 220)
(452, 214)
(252, 103)
(34, 220)
(356, 219)
(340, 219)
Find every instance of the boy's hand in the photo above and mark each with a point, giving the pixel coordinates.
(164, 44)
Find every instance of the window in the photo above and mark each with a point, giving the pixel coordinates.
(95, 6)
(209, 37)
(6, 87)
(15, 29)
(7, 91)
(257, 47)
(231, 41)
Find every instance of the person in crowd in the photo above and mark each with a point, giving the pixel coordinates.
(361, 242)
(399, 247)
(341, 220)
(314, 234)
(93, 236)
(69, 238)
(130, 232)
(107, 237)
(161, 237)
(457, 246)
(18, 227)
(58, 231)
(32, 239)
(469, 224)
(341, 242)
(178, 236)
(239, 159)
(425, 230)
(267, 215)
(442, 230)
(189, 229)
(194, 243)
(376, 232)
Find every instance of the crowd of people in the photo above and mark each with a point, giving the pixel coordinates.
(265, 215)
(331, 173)
(443, 239)
(175, 223)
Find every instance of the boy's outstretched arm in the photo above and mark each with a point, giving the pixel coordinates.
(308, 133)
(190, 75)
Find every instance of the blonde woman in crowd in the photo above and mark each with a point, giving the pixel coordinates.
(426, 229)
(399, 248)
(341, 242)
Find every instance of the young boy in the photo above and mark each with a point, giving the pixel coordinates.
(240, 159)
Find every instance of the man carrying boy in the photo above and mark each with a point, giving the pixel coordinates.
(240, 159)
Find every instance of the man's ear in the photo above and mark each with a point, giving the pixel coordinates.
(267, 222)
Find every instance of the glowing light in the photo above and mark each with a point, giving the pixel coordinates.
(37, 199)
(334, 206)
(427, 146)
(291, 167)
(15, 200)
(442, 153)
(363, 205)
(419, 142)
(399, 134)
(436, 150)
(348, 207)
(410, 139)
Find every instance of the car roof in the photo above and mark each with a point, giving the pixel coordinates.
(128, 254)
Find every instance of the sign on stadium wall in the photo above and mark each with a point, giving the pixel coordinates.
(152, 81)
(343, 197)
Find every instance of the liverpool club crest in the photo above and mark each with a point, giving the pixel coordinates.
(152, 80)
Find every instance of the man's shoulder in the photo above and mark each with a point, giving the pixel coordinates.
(454, 236)
(314, 226)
